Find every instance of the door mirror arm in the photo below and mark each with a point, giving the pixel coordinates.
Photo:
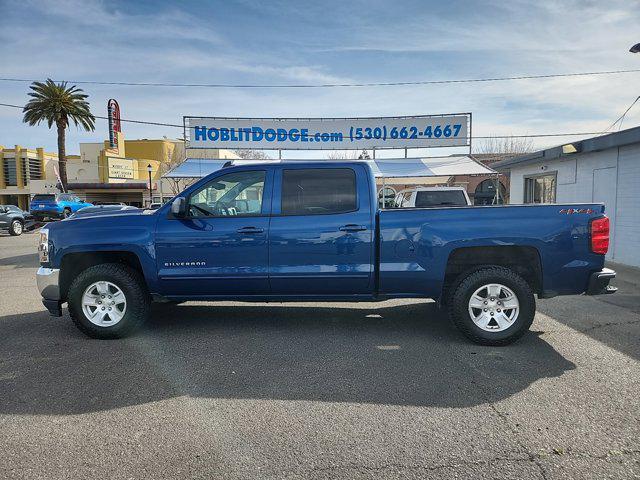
(179, 207)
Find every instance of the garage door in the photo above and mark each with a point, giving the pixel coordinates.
(627, 246)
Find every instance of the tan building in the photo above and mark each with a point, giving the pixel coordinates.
(21, 168)
(121, 174)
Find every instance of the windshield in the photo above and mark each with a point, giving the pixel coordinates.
(437, 198)
(44, 198)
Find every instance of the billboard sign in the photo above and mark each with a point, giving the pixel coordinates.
(450, 130)
(121, 167)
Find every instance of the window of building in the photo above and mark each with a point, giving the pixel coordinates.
(318, 191)
(10, 173)
(23, 166)
(540, 188)
(234, 194)
(485, 193)
(31, 169)
(386, 197)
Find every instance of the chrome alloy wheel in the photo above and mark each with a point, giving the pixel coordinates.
(494, 307)
(17, 227)
(104, 304)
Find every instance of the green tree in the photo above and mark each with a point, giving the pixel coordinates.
(56, 103)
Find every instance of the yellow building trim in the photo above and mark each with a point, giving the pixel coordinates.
(20, 180)
(40, 154)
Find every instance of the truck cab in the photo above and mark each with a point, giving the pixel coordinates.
(313, 231)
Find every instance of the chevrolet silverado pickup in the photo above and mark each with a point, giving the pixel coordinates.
(297, 231)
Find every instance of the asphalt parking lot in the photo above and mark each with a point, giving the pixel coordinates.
(274, 391)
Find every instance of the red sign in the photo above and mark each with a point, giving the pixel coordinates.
(113, 111)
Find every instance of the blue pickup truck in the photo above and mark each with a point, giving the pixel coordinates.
(313, 231)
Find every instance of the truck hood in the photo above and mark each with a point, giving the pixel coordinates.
(105, 214)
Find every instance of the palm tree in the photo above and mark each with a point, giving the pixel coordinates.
(56, 103)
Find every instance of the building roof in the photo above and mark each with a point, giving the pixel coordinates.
(594, 144)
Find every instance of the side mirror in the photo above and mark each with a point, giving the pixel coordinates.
(179, 207)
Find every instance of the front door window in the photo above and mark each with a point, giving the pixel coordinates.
(232, 195)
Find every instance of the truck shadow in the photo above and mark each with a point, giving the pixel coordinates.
(393, 355)
(28, 260)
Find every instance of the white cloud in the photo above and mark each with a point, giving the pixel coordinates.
(95, 40)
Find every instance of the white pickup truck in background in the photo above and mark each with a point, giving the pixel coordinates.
(424, 197)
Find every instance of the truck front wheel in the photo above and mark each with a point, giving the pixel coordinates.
(108, 301)
(493, 306)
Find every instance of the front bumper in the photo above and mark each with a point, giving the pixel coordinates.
(48, 280)
(599, 282)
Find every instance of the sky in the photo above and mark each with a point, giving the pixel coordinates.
(302, 42)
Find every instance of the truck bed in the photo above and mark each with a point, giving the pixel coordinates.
(415, 244)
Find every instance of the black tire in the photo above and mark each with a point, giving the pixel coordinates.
(133, 287)
(459, 306)
(66, 213)
(16, 228)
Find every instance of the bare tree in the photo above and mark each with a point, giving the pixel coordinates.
(505, 146)
(343, 155)
(252, 154)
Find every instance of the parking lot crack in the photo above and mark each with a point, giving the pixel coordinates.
(505, 420)
(416, 467)
(608, 324)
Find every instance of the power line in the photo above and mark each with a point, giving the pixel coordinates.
(331, 85)
(474, 137)
(621, 117)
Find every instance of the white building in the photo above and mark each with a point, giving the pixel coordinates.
(602, 169)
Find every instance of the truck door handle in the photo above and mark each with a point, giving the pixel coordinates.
(250, 230)
(351, 227)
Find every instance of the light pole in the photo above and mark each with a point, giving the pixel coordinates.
(149, 170)
(635, 48)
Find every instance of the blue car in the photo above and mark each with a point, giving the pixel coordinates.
(58, 205)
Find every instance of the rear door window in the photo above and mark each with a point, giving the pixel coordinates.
(318, 191)
(44, 198)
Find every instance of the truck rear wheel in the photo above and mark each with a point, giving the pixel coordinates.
(108, 301)
(493, 306)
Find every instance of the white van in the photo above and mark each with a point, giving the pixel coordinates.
(424, 197)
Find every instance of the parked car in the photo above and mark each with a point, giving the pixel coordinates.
(58, 205)
(154, 206)
(423, 197)
(103, 208)
(14, 219)
(312, 231)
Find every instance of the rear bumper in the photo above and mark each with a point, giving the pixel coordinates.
(46, 213)
(599, 282)
(48, 280)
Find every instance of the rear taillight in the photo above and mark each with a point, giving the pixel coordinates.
(600, 235)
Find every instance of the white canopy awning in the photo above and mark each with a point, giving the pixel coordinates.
(428, 167)
(382, 167)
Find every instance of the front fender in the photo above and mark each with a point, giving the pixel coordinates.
(133, 234)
